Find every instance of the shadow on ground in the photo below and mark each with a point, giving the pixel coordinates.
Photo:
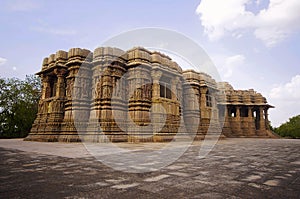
(236, 168)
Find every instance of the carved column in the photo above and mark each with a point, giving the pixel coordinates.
(173, 117)
(250, 114)
(267, 119)
(238, 118)
(156, 75)
(251, 122)
(44, 103)
(45, 86)
(119, 105)
(262, 122)
(179, 90)
(139, 117)
(226, 127)
(238, 113)
(56, 107)
(223, 115)
(60, 86)
(174, 83)
(214, 110)
(156, 114)
(225, 112)
(203, 91)
(191, 109)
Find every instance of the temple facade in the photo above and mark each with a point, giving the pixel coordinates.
(138, 96)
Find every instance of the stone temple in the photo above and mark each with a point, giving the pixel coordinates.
(113, 95)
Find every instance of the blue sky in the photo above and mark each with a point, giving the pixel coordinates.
(253, 43)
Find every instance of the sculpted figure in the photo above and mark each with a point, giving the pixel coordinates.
(85, 86)
(69, 88)
(98, 89)
(77, 93)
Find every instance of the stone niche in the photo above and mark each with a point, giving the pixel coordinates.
(111, 95)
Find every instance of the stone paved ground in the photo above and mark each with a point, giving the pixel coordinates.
(236, 168)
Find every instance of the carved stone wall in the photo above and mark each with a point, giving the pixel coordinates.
(245, 113)
(137, 96)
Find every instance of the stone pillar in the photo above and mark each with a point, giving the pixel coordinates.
(267, 119)
(45, 86)
(119, 105)
(44, 104)
(60, 86)
(156, 114)
(179, 93)
(156, 75)
(250, 114)
(139, 116)
(238, 113)
(203, 91)
(106, 117)
(174, 117)
(43, 91)
(205, 114)
(238, 121)
(225, 112)
(191, 110)
(174, 83)
(76, 107)
(215, 110)
(262, 122)
(55, 114)
(251, 122)
(226, 127)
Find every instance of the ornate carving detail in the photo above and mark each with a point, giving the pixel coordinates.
(133, 79)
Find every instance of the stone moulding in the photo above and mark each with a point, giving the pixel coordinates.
(116, 90)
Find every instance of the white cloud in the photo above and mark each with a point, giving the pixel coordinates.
(287, 92)
(271, 25)
(258, 2)
(23, 5)
(217, 17)
(286, 98)
(228, 64)
(2, 61)
(232, 62)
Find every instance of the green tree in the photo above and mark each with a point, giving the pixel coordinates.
(290, 129)
(18, 105)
